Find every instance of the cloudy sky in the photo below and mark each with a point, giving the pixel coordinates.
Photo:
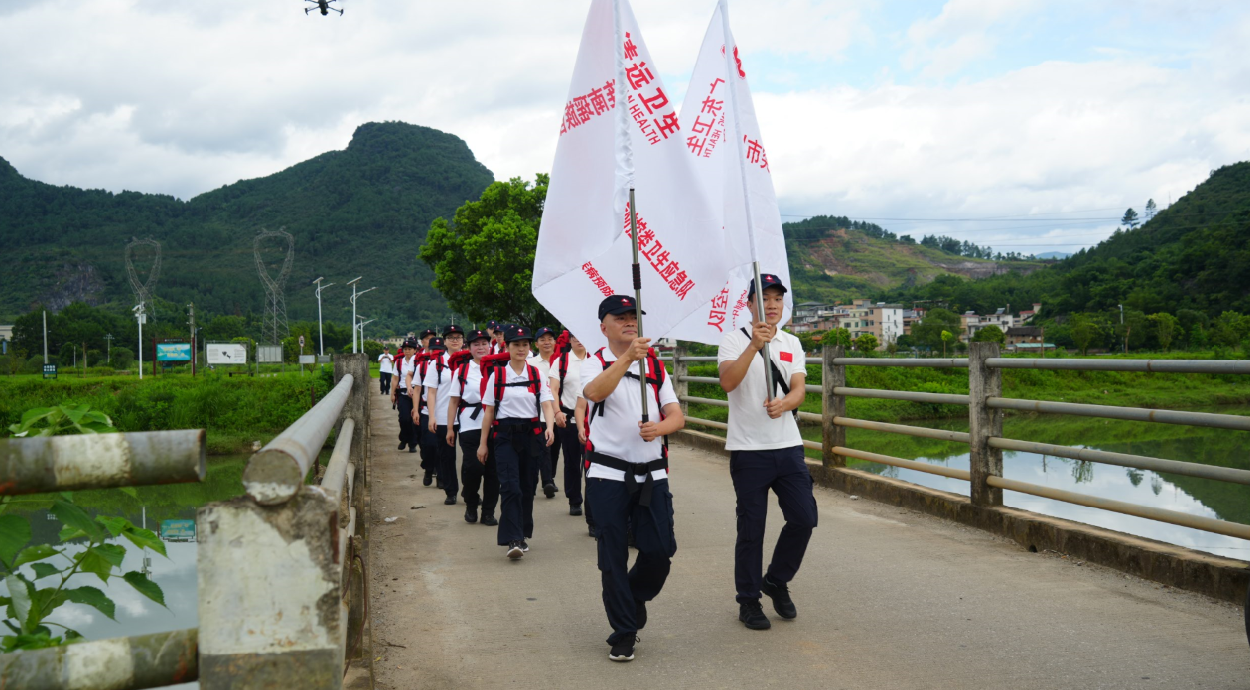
(1022, 124)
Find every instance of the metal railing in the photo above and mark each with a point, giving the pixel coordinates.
(985, 437)
(281, 591)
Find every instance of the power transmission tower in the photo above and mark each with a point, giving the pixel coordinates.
(274, 325)
(143, 291)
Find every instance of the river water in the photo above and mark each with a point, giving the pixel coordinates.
(1203, 497)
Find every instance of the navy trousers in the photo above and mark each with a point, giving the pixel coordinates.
(567, 441)
(518, 455)
(475, 475)
(384, 380)
(754, 472)
(428, 444)
(407, 428)
(615, 510)
(446, 454)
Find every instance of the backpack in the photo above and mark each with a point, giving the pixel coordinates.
(462, 373)
(655, 378)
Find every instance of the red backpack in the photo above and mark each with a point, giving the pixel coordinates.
(656, 375)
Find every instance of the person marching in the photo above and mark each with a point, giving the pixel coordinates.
(385, 369)
(404, 364)
(520, 438)
(432, 348)
(627, 483)
(766, 452)
(438, 383)
(497, 345)
(465, 406)
(545, 339)
(566, 387)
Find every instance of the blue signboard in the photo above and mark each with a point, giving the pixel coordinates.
(173, 352)
(178, 530)
(49, 371)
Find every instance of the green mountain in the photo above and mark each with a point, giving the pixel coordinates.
(1194, 256)
(363, 211)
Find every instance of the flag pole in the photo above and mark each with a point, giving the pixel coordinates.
(633, 233)
(731, 71)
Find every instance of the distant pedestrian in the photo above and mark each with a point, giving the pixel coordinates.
(404, 365)
(566, 386)
(386, 368)
(465, 406)
(545, 341)
(520, 438)
(439, 380)
(627, 483)
(431, 346)
(766, 452)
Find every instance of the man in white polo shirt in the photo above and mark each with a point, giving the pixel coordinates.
(627, 483)
(766, 452)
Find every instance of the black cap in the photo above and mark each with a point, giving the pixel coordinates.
(474, 336)
(544, 331)
(411, 342)
(436, 344)
(427, 332)
(492, 325)
(514, 333)
(452, 329)
(616, 304)
(769, 280)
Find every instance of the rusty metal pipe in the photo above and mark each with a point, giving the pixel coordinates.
(276, 472)
(899, 462)
(1140, 462)
(144, 661)
(912, 396)
(707, 422)
(941, 434)
(46, 464)
(1176, 366)
(881, 362)
(1136, 414)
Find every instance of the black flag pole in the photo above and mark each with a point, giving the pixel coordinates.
(633, 232)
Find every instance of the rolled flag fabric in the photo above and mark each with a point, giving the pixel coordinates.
(562, 346)
(620, 129)
(734, 172)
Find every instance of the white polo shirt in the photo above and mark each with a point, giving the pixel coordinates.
(571, 389)
(441, 382)
(544, 369)
(750, 427)
(470, 393)
(616, 432)
(384, 364)
(403, 368)
(518, 401)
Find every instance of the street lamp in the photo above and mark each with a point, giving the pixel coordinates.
(141, 316)
(321, 341)
(1122, 328)
(354, 296)
(109, 356)
(361, 327)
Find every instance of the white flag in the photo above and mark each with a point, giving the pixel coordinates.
(732, 174)
(620, 129)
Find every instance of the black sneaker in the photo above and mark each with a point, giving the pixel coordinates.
(549, 490)
(575, 510)
(591, 529)
(402, 445)
(427, 479)
(450, 501)
(412, 449)
(623, 650)
(489, 520)
(514, 550)
(752, 616)
(780, 594)
(470, 514)
(640, 614)
(438, 483)
(525, 546)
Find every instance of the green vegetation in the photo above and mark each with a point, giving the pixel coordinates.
(234, 410)
(361, 210)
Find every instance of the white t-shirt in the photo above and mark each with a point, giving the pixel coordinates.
(384, 364)
(403, 367)
(518, 401)
(544, 369)
(441, 382)
(470, 393)
(750, 427)
(616, 432)
(571, 390)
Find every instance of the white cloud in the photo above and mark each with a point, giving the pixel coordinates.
(959, 35)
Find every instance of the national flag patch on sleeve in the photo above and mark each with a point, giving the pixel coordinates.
(787, 357)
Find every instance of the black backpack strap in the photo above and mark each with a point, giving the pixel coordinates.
(778, 378)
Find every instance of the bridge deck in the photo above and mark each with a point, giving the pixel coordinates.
(888, 598)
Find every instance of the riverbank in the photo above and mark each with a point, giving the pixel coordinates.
(236, 411)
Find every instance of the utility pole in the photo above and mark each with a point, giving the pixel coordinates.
(45, 336)
(354, 296)
(321, 340)
(364, 323)
(191, 306)
(1122, 328)
(109, 339)
(140, 316)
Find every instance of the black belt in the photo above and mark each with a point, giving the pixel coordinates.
(568, 411)
(631, 469)
(476, 407)
(402, 390)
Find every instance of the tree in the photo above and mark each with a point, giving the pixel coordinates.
(1085, 330)
(483, 259)
(1129, 219)
(990, 334)
(1165, 327)
(906, 342)
(373, 349)
(837, 336)
(122, 358)
(1151, 209)
(866, 343)
(947, 337)
(928, 333)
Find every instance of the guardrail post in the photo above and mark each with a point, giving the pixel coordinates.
(983, 422)
(357, 406)
(680, 371)
(832, 375)
(270, 593)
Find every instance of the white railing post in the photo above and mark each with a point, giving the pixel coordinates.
(832, 375)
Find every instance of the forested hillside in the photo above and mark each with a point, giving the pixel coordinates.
(361, 211)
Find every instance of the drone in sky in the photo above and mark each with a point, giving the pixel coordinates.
(324, 5)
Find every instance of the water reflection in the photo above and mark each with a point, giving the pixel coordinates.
(1189, 495)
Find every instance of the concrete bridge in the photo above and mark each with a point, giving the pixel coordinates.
(888, 597)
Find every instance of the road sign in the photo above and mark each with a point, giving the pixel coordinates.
(308, 359)
(226, 353)
(173, 352)
(178, 530)
(324, 359)
(301, 341)
(49, 371)
(270, 354)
